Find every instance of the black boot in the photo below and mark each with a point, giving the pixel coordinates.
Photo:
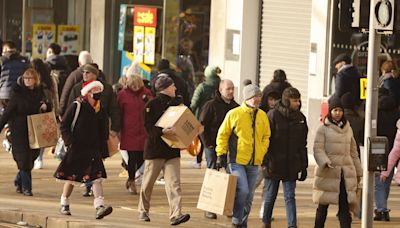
(378, 215)
(385, 216)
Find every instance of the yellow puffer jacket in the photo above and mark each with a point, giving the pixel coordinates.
(236, 136)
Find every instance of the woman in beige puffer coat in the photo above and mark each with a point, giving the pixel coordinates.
(338, 169)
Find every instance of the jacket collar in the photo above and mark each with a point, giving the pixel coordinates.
(246, 108)
(337, 128)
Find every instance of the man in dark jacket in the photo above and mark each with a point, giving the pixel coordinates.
(73, 78)
(12, 65)
(181, 88)
(286, 159)
(211, 118)
(159, 156)
(347, 78)
(58, 65)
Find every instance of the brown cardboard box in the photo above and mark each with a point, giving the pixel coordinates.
(184, 121)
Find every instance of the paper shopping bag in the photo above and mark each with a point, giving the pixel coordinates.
(217, 193)
(113, 145)
(42, 130)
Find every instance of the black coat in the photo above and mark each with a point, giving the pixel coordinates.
(23, 102)
(73, 78)
(212, 116)
(287, 152)
(388, 114)
(348, 80)
(155, 147)
(357, 125)
(108, 101)
(87, 144)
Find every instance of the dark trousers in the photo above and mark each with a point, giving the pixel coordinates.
(24, 180)
(199, 156)
(343, 214)
(134, 162)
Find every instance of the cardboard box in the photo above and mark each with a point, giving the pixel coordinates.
(185, 123)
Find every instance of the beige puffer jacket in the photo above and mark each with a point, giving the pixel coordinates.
(335, 146)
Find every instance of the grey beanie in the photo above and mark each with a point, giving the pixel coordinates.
(251, 91)
(163, 81)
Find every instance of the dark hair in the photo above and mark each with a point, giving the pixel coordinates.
(55, 48)
(10, 44)
(247, 82)
(44, 73)
(279, 76)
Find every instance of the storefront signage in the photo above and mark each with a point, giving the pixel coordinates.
(149, 45)
(121, 30)
(144, 16)
(138, 43)
(43, 36)
(68, 39)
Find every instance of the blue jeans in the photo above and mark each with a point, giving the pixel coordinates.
(382, 192)
(211, 157)
(270, 191)
(24, 179)
(245, 188)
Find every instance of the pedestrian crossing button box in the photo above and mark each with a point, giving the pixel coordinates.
(378, 152)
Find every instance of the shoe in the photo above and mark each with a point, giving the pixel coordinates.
(265, 225)
(64, 210)
(378, 215)
(103, 211)
(27, 192)
(195, 165)
(123, 173)
(87, 193)
(143, 216)
(131, 187)
(236, 225)
(38, 165)
(385, 216)
(160, 181)
(18, 189)
(180, 219)
(210, 215)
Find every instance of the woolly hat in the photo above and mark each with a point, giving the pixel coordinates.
(342, 57)
(251, 91)
(212, 71)
(163, 64)
(163, 81)
(90, 68)
(288, 93)
(96, 86)
(334, 102)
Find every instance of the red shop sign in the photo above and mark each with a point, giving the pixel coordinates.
(144, 16)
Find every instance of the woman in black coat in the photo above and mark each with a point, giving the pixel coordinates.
(86, 139)
(27, 99)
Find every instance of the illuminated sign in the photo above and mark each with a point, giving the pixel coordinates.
(363, 88)
(145, 17)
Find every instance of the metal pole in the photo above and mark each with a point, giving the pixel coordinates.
(371, 113)
(164, 30)
(23, 37)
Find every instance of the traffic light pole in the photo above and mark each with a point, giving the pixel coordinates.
(371, 114)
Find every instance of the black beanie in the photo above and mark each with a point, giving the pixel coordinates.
(342, 57)
(163, 64)
(334, 102)
(288, 93)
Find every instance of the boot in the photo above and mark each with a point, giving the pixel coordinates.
(385, 216)
(378, 215)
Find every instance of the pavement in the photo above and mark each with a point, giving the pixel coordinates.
(41, 210)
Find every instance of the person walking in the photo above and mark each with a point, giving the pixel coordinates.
(390, 79)
(159, 156)
(286, 160)
(84, 130)
(244, 137)
(211, 118)
(338, 171)
(28, 99)
(203, 93)
(132, 100)
(58, 66)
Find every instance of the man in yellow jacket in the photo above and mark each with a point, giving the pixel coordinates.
(244, 136)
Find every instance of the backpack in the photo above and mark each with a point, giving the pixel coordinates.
(61, 78)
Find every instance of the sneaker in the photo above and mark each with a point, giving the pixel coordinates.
(64, 210)
(131, 187)
(18, 189)
(27, 192)
(7, 145)
(103, 211)
(38, 164)
(143, 216)
(210, 215)
(180, 219)
(195, 165)
(160, 181)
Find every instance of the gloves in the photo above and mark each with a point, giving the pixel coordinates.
(221, 162)
(302, 175)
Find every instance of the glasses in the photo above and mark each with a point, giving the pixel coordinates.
(28, 78)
